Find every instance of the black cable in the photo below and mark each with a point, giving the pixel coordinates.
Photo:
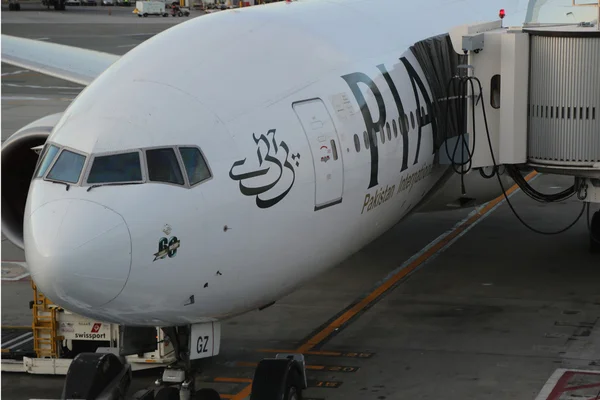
(460, 86)
(460, 94)
(500, 180)
(534, 194)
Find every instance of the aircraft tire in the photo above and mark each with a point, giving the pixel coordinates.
(595, 233)
(277, 379)
(207, 394)
(90, 374)
(167, 393)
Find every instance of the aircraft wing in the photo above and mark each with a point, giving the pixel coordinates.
(72, 64)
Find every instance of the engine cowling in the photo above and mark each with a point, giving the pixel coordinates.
(18, 165)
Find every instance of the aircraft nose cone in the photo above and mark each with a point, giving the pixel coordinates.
(78, 252)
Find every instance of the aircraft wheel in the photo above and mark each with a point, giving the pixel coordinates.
(207, 394)
(595, 233)
(90, 374)
(277, 379)
(167, 393)
(11, 7)
(18, 7)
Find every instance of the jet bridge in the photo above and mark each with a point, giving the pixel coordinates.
(529, 98)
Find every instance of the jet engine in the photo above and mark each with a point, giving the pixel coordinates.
(19, 159)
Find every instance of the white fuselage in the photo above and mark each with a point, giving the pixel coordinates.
(260, 91)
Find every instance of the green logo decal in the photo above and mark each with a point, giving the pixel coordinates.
(167, 247)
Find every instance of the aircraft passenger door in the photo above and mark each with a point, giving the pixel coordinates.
(326, 151)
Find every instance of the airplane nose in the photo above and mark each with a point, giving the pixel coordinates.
(78, 252)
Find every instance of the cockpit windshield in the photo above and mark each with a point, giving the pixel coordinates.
(47, 158)
(67, 167)
(195, 165)
(163, 166)
(116, 168)
(184, 166)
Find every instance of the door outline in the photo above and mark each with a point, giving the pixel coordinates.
(335, 201)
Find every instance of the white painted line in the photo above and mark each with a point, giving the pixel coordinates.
(18, 278)
(22, 264)
(17, 338)
(15, 72)
(22, 342)
(24, 98)
(18, 85)
(128, 45)
(550, 383)
(554, 378)
(30, 98)
(42, 38)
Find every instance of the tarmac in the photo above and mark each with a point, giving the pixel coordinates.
(464, 304)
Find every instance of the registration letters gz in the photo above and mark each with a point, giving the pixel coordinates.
(205, 340)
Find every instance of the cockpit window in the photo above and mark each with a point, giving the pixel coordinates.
(116, 168)
(67, 168)
(195, 165)
(47, 157)
(163, 166)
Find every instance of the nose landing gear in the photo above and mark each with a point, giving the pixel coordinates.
(105, 376)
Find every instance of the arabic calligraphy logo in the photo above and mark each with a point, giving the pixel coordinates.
(273, 168)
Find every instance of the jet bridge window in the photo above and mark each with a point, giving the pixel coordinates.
(116, 168)
(67, 167)
(163, 166)
(195, 165)
(47, 157)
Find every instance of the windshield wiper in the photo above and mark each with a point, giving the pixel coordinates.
(68, 186)
(112, 184)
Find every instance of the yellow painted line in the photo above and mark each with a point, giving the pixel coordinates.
(5, 350)
(232, 380)
(389, 283)
(253, 364)
(312, 352)
(385, 286)
(243, 394)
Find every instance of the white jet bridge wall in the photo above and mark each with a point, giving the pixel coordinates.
(564, 109)
(546, 110)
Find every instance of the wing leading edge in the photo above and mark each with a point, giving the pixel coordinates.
(72, 64)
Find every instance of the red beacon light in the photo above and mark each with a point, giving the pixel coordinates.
(502, 14)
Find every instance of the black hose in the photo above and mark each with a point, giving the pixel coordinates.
(527, 187)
